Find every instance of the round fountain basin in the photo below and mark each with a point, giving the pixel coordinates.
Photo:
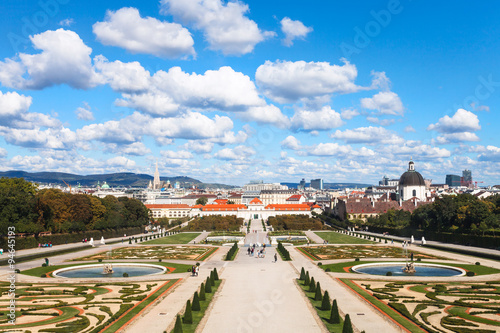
(97, 271)
(396, 268)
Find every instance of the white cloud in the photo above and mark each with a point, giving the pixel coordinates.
(12, 104)
(225, 26)
(180, 154)
(51, 138)
(349, 114)
(120, 161)
(66, 22)
(84, 112)
(418, 152)
(370, 135)
(334, 149)
(199, 147)
(237, 153)
(286, 81)
(456, 137)
(136, 149)
(461, 121)
(292, 30)
(125, 28)
(492, 154)
(387, 102)
(380, 81)
(3, 152)
(381, 122)
(64, 59)
(123, 77)
(267, 114)
(322, 120)
(291, 142)
(409, 129)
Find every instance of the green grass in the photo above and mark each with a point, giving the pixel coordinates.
(324, 315)
(138, 308)
(37, 271)
(198, 315)
(479, 270)
(338, 238)
(181, 238)
(461, 312)
(400, 319)
(68, 313)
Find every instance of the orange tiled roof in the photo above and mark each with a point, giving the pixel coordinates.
(295, 197)
(220, 207)
(316, 206)
(221, 201)
(292, 207)
(256, 201)
(168, 206)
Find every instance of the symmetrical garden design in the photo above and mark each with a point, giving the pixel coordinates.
(437, 307)
(92, 307)
(359, 251)
(180, 252)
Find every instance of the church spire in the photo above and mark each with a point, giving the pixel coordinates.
(156, 181)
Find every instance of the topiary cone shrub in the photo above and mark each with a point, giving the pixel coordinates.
(208, 286)
(212, 281)
(196, 302)
(347, 328)
(188, 315)
(307, 280)
(325, 303)
(470, 273)
(216, 275)
(302, 274)
(312, 285)
(318, 296)
(178, 325)
(202, 292)
(334, 314)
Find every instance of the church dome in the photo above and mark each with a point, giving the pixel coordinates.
(411, 177)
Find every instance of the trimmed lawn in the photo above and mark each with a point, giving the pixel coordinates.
(338, 238)
(38, 271)
(181, 238)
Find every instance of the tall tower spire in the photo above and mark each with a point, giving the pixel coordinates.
(156, 181)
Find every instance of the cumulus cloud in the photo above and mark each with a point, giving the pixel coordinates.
(237, 153)
(381, 122)
(199, 147)
(287, 82)
(370, 135)
(84, 112)
(267, 114)
(380, 81)
(66, 22)
(3, 152)
(421, 152)
(293, 30)
(386, 102)
(409, 129)
(134, 149)
(334, 149)
(125, 28)
(349, 114)
(121, 161)
(322, 120)
(51, 138)
(291, 142)
(64, 59)
(225, 26)
(492, 154)
(456, 137)
(461, 121)
(180, 154)
(127, 77)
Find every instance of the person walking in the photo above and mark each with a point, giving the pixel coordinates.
(275, 257)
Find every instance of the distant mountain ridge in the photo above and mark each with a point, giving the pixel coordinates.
(113, 179)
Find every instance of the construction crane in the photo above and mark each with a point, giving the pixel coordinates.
(68, 185)
(478, 182)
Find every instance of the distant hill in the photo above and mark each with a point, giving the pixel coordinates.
(332, 186)
(113, 179)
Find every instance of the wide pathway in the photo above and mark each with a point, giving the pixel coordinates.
(256, 234)
(259, 295)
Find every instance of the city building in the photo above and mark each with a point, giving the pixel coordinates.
(467, 178)
(411, 184)
(453, 180)
(302, 185)
(317, 183)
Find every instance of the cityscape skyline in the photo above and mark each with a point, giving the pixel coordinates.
(228, 92)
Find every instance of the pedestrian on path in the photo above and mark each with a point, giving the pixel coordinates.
(249, 250)
(275, 257)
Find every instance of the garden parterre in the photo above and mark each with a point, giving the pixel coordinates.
(179, 252)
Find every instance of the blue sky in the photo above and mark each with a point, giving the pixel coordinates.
(233, 91)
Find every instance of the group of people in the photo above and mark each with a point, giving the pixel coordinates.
(260, 253)
(195, 270)
(49, 244)
(325, 242)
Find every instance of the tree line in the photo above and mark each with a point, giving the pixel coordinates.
(33, 211)
(464, 213)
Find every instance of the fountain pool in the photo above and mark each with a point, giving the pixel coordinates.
(396, 268)
(97, 271)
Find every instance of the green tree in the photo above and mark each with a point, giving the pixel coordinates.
(325, 304)
(334, 314)
(178, 325)
(188, 315)
(208, 286)
(196, 302)
(317, 295)
(201, 201)
(312, 285)
(17, 206)
(202, 292)
(347, 328)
